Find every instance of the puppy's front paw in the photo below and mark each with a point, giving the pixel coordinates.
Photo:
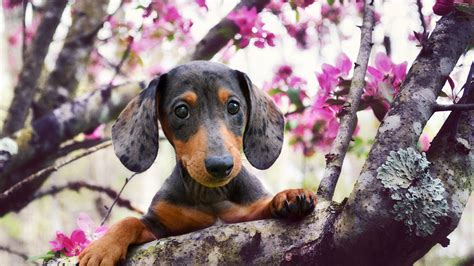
(293, 203)
(104, 251)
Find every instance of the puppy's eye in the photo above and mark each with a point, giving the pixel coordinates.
(233, 107)
(181, 111)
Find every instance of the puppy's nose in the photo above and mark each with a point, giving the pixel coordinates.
(219, 166)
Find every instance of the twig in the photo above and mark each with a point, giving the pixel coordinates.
(453, 107)
(466, 87)
(76, 186)
(78, 145)
(14, 252)
(18, 186)
(109, 210)
(420, 14)
(335, 158)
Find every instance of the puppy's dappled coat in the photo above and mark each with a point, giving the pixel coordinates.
(209, 113)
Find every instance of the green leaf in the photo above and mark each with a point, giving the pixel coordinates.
(294, 96)
(46, 256)
(331, 2)
(274, 91)
(443, 94)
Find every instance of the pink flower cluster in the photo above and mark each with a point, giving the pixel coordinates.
(384, 79)
(79, 238)
(314, 126)
(251, 28)
(167, 24)
(318, 124)
(282, 83)
(9, 4)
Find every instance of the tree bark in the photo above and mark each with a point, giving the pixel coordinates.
(31, 144)
(31, 71)
(262, 242)
(370, 216)
(61, 85)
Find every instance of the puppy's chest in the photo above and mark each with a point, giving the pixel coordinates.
(201, 195)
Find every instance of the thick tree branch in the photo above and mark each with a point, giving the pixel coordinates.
(72, 61)
(44, 136)
(368, 224)
(335, 158)
(76, 186)
(222, 32)
(31, 71)
(266, 242)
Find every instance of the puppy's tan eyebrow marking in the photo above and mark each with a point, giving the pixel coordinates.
(223, 94)
(189, 97)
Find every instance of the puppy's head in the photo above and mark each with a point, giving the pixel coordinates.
(208, 112)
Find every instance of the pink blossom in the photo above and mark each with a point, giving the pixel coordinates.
(85, 223)
(251, 27)
(79, 239)
(73, 245)
(330, 76)
(9, 4)
(385, 78)
(202, 3)
(443, 7)
(97, 133)
(275, 6)
(425, 142)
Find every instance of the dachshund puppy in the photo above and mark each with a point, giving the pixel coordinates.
(209, 113)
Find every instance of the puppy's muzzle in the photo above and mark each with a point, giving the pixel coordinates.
(219, 166)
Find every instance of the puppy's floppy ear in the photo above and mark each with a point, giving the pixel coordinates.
(263, 136)
(135, 133)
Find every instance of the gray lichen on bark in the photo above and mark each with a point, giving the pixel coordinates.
(418, 197)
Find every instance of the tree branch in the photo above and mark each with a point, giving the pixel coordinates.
(72, 61)
(453, 107)
(369, 215)
(219, 35)
(15, 197)
(265, 242)
(32, 67)
(14, 252)
(348, 122)
(76, 186)
(47, 133)
(419, 6)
